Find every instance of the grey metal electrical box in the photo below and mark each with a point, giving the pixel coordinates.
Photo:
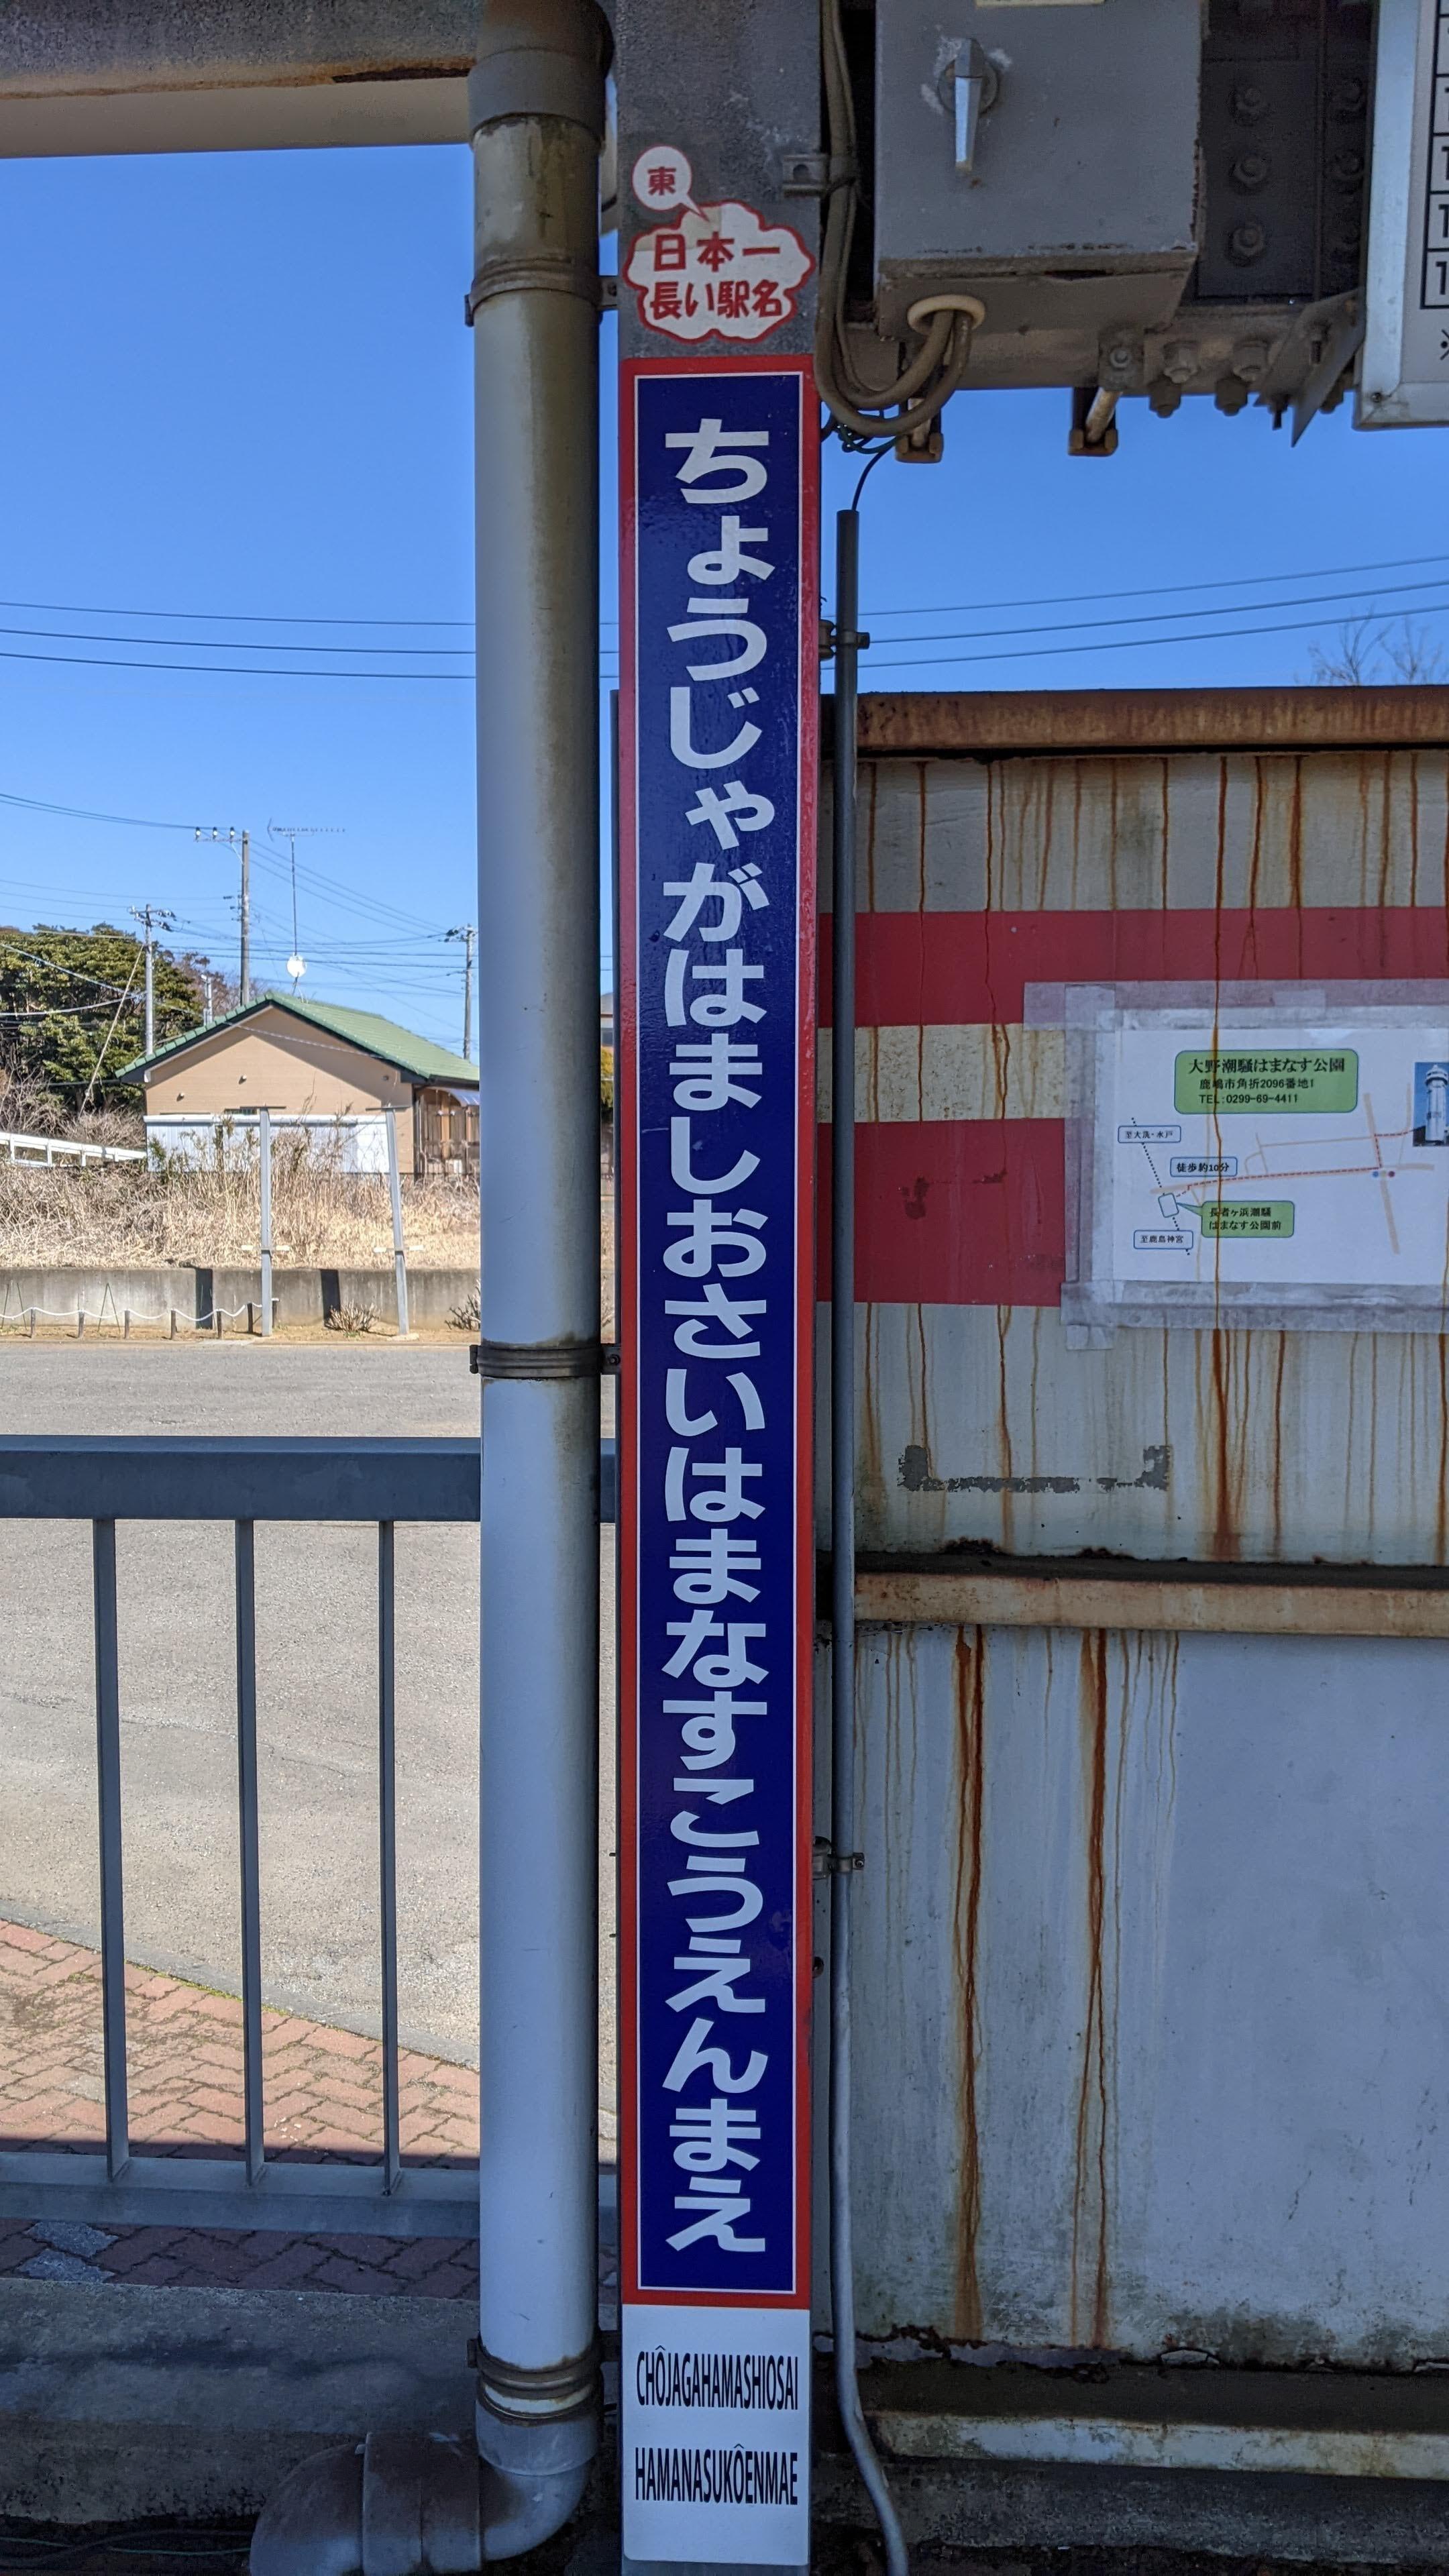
(1063, 188)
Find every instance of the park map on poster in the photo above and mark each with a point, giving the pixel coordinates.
(1277, 1154)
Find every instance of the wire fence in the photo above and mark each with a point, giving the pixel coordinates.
(23, 1318)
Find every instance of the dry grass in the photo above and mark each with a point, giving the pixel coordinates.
(126, 1214)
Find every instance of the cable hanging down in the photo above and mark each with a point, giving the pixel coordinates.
(926, 383)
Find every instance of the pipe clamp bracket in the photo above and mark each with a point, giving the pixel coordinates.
(500, 1361)
(557, 272)
(535, 2396)
(829, 1863)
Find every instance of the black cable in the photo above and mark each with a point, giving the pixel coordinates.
(1320, 599)
(1156, 589)
(937, 608)
(222, 670)
(239, 644)
(883, 450)
(1125, 644)
(225, 616)
(925, 384)
(84, 814)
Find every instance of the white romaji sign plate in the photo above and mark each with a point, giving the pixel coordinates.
(718, 2403)
(1404, 378)
(1276, 1156)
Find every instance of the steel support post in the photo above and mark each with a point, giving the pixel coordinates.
(537, 119)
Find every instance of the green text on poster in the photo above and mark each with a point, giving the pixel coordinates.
(1297, 1080)
(1247, 1216)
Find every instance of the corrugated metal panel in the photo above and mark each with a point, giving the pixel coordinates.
(983, 875)
(979, 1423)
(1151, 2028)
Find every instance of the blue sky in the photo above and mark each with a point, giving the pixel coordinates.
(237, 388)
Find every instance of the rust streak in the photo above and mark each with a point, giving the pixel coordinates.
(1227, 1440)
(1276, 1471)
(1255, 865)
(1295, 841)
(1441, 1491)
(970, 1661)
(1386, 827)
(1003, 1430)
(873, 773)
(1445, 882)
(1091, 2122)
(872, 1473)
(1049, 828)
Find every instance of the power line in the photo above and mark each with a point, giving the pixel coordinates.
(270, 671)
(84, 814)
(1124, 644)
(239, 644)
(245, 617)
(73, 974)
(1056, 599)
(368, 906)
(1324, 599)
(220, 670)
(1152, 590)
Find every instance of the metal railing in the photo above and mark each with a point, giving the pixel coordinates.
(40, 1152)
(242, 1481)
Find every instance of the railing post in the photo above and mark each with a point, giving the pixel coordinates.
(251, 1891)
(399, 1248)
(108, 1797)
(264, 1125)
(387, 1843)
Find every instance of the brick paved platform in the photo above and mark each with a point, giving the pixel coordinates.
(323, 2092)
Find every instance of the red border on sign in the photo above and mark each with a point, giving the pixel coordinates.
(626, 1113)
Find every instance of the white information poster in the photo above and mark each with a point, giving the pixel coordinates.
(1404, 373)
(1261, 1157)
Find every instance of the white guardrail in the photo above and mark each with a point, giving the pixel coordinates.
(44, 1149)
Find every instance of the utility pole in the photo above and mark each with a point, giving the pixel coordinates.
(246, 918)
(468, 934)
(152, 918)
(242, 840)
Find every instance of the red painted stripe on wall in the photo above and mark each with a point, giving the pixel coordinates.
(965, 1212)
(933, 968)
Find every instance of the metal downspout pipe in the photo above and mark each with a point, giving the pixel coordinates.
(403, 2503)
(848, 641)
(537, 114)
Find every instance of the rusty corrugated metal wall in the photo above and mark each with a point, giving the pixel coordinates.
(1151, 2013)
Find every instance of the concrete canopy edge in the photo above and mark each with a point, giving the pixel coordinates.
(117, 76)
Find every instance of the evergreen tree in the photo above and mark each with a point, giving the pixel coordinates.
(72, 998)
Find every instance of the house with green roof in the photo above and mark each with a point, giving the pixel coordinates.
(330, 1073)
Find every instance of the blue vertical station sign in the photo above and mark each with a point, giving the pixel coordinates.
(716, 1110)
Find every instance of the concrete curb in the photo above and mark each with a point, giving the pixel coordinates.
(194, 1293)
(1340, 2521)
(122, 2404)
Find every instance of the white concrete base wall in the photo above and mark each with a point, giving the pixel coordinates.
(359, 1143)
(1152, 2026)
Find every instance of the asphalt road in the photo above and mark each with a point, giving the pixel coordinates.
(316, 1648)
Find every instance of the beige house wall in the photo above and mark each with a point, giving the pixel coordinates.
(274, 1062)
